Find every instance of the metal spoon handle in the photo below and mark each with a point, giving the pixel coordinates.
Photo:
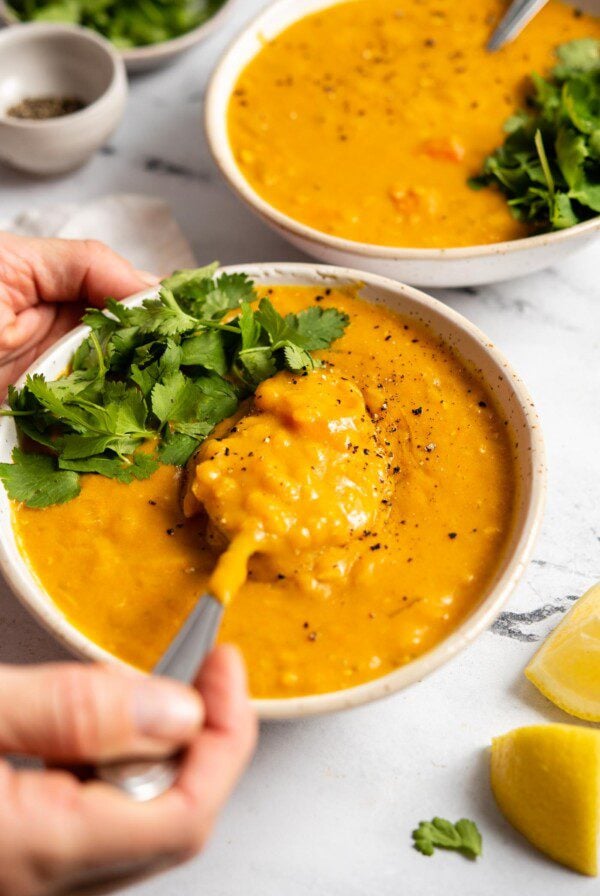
(146, 779)
(518, 15)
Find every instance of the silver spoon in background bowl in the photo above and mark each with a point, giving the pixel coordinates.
(518, 15)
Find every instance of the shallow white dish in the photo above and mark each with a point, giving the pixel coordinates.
(427, 267)
(142, 59)
(473, 347)
(58, 60)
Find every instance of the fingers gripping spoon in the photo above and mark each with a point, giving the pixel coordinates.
(144, 780)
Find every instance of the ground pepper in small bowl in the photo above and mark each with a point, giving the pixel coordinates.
(41, 108)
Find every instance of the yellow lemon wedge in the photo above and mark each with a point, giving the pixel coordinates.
(566, 669)
(546, 780)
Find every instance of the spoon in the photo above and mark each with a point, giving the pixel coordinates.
(517, 16)
(143, 780)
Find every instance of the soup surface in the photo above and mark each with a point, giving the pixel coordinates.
(366, 120)
(125, 564)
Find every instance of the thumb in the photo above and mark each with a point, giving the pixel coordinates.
(71, 712)
(76, 270)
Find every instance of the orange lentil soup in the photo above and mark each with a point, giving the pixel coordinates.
(366, 120)
(125, 565)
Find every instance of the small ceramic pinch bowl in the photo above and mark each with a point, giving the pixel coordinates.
(43, 60)
(468, 266)
(474, 349)
(145, 58)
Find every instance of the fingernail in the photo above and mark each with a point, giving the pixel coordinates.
(148, 278)
(166, 711)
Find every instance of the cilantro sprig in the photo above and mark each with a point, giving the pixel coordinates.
(549, 164)
(463, 836)
(149, 383)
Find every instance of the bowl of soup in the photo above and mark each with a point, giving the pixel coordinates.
(413, 460)
(353, 128)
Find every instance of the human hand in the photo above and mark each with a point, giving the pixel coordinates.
(57, 833)
(45, 284)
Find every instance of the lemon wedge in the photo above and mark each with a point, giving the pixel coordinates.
(546, 780)
(566, 669)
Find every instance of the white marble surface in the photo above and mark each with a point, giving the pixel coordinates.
(328, 805)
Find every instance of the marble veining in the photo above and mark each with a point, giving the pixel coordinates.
(328, 805)
(510, 624)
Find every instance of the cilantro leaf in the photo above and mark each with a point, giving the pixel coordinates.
(205, 350)
(318, 327)
(186, 283)
(285, 334)
(177, 448)
(138, 466)
(228, 292)
(463, 836)
(254, 365)
(176, 398)
(297, 358)
(35, 480)
(250, 328)
(218, 400)
(470, 836)
(162, 316)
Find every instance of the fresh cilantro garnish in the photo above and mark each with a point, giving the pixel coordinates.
(549, 164)
(127, 23)
(35, 479)
(463, 836)
(165, 373)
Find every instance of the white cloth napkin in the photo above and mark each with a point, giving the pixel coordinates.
(141, 228)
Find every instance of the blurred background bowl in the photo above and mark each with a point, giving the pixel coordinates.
(43, 60)
(468, 266)
(145, 58)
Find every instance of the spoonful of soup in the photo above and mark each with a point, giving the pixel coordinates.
(290, 482)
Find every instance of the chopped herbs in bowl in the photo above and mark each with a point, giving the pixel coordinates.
(148, 32)
(150, 382)
(549, 164)
(127, 23)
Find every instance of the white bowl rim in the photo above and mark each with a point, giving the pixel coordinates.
(215, 121)
(148, 51)
(34, 598)
(25, 30)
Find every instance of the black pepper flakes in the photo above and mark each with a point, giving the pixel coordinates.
(41, 108)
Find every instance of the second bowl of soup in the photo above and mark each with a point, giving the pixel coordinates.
(354, 129)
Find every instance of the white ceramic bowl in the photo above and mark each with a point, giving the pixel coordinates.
(474, 348)
(427, 267)
(142, 59)
(58, 60)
